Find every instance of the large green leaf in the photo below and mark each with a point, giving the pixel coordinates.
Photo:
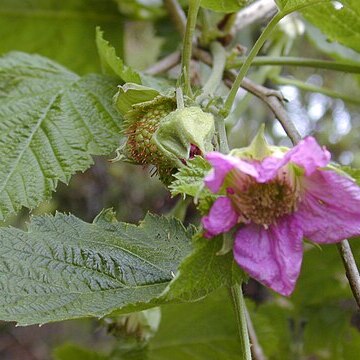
(62, 30)
(338, 20)
(51, 121)
(64, 268)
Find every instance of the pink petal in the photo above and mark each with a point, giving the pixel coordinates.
(330, 208)
(271, 256)
(222, 164)
(221, 218)
(307, 154)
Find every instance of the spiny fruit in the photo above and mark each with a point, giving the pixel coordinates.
(159, 134)
(140, 124)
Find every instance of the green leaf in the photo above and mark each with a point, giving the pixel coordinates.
(224, 6)
(111, 64)
(51, 121)
(337, 23)
(74, 352)
(333, 49)
(294, 5)
(62, 30)
(63, 268)
(338, 20)
(205, 330)
(203, 271)
(190, 178)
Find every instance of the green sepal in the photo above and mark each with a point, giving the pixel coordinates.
(258, 148)
(182, 128)
(131, 94)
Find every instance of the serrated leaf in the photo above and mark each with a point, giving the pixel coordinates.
(204, 271)
(224, 6)
(111, 64)
(63, 268)
(51, 121)
(190, 178)
(62, 30)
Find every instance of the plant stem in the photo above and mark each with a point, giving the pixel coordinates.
(217, 71)
(247, 63)
(164, 64)
(313, 88)
(221, 130)
(240, 312)
(352, 272)
(256, 349)
(179, 99)
(187, 45)
(350, 67)
(256, 48)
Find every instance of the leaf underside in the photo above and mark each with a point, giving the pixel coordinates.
(64, 268)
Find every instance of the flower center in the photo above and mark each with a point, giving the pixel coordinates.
(264, 203)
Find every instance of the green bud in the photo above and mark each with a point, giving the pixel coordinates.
(182, 129)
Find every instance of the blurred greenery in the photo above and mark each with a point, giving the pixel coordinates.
(62, 30)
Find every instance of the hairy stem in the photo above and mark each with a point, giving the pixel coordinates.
(187, 45)
(221, 131)
(240, 313)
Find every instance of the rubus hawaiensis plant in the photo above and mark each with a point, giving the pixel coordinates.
(171, 286)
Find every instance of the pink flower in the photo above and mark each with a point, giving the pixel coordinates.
(275, 202)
